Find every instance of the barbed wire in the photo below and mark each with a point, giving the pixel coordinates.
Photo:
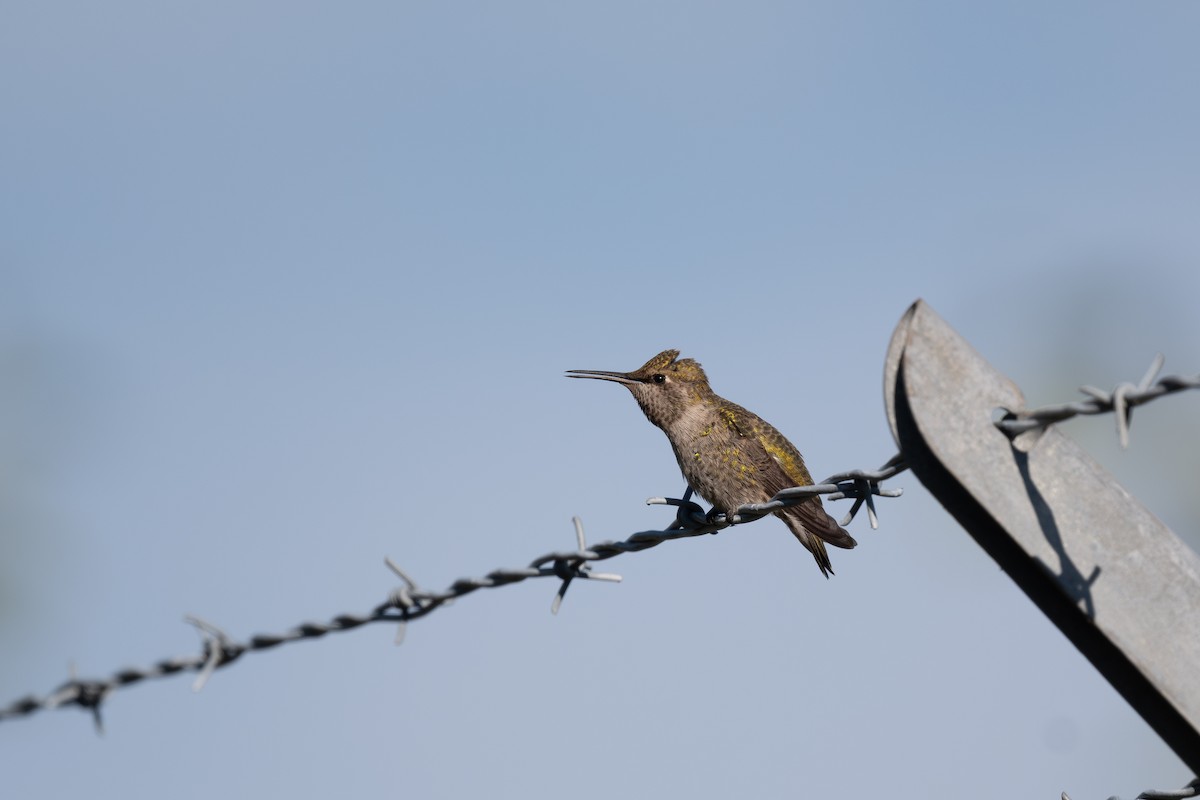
(409, 602)
(1122, 399)
(1191, 790)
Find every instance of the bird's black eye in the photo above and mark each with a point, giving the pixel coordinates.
(659, 378)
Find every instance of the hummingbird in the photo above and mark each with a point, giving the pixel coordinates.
(729, 456)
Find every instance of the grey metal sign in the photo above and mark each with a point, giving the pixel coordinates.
(1120, 584)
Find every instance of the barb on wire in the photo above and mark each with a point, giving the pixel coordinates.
(862, 485)
(1122, 400)
(409, 601)
(1191, 790)
(219, 649)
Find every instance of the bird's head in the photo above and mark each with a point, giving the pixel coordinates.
(665, 386)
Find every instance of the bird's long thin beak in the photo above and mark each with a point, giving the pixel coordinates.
(600, 375)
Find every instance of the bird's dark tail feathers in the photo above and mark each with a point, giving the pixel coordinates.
(814, 528)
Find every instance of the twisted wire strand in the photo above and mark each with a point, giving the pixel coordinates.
(1122, 399)
(1191, 790)
(409, 601)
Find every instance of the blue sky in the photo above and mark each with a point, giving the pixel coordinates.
(285, 288)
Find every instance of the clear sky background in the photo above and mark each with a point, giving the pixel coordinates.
(289, 287)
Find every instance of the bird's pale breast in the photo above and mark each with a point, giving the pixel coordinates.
(719, 464)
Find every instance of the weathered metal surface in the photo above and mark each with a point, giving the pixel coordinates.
(1122, 587)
